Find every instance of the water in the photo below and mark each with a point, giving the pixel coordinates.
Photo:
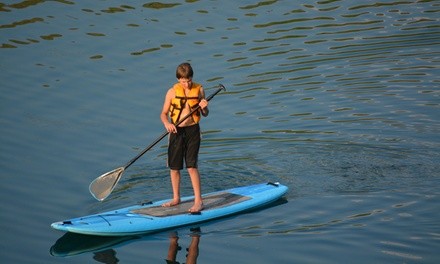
(339, 100)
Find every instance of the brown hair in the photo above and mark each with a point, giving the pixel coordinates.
(184, 70)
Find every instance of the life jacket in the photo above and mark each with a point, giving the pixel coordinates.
(180, 99)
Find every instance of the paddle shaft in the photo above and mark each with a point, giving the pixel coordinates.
(166, 132)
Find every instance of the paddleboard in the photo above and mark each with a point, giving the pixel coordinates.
(152, 217)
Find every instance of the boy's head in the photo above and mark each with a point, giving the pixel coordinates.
(184, 71)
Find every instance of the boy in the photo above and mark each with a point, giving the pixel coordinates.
(184, 140)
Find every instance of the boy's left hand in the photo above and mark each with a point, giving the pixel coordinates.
(203, 103)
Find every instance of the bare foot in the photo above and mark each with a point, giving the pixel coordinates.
(171, 203)
(196, 208)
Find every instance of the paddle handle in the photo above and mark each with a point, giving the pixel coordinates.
(166, 132)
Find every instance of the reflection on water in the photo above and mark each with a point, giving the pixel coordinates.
(328, 97)
(192, 249)
(104, 248)
(71, 244)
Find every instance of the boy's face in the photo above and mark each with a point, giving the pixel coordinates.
(186, 83)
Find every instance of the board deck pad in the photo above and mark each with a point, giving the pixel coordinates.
(209, 202)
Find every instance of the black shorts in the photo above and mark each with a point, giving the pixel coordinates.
(184, 145)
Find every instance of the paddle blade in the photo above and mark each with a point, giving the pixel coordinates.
(102, 186)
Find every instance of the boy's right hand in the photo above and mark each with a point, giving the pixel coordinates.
(171, 128)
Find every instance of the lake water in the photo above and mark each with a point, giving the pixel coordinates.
(339, 100)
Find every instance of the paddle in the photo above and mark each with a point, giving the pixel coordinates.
(102, 186)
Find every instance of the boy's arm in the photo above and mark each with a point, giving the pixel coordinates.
(165, 109)
(203, 103)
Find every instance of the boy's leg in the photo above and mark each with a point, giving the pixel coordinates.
(195, 180)
(175, 162)
(175, 183)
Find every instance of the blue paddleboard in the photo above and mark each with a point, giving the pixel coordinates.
(152, 217)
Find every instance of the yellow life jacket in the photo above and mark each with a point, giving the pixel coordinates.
(180, 99)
